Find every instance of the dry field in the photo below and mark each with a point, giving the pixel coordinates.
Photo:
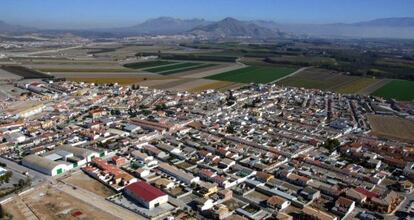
(392, 127)
(47, 203)
(83, 181)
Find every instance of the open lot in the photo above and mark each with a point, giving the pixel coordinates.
(48, 203)
(392, 127)
(253, 74)
(402, 90)
(80, 179)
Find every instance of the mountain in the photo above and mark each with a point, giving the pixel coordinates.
(388, 22)
(164, 25)
(230, 28)
(379, 28)
(9, 28)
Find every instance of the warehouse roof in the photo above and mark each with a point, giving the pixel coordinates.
(145, 191)
(41, 161)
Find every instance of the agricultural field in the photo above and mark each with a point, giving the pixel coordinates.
(358, 86)
(316, 78)
(148, 64)
(253, 74)
(188, 69)
(402, 90)
(24, 72)
(171, 67)
(392, 127)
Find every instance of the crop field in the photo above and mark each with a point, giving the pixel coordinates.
(253, 74)
(171, 67)
(189, 69)
(24, 72)
(148, 64)
(402, 90)
(392, 127)
(357, 86)
(323, 79)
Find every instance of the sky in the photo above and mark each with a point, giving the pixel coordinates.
(118, 13)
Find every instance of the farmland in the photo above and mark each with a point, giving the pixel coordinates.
(397, 89)
(392, 127)
(141, 65)
(171, 67)
(188, 69)
(253, 74)
(358, 86)
(317, 78)
(24, 72)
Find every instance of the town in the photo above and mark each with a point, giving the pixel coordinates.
(262, 151)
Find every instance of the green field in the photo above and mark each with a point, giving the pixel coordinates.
(141, 65)
(171, 67)
(253, 74)
(188, 69)
(397, 89)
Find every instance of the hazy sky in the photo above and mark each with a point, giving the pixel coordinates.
(103, 13)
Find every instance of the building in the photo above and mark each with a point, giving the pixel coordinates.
(276, 202)
(180, 175)
(46, 165)
(145, 194)
(344, 206)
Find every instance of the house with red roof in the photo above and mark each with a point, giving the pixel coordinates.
(145, 194)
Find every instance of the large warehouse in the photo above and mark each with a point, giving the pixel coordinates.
(145, 194)
(46, 165)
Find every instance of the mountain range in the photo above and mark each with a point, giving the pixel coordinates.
(230, 27)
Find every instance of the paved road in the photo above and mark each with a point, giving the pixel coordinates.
(35, 176)
(292, 74)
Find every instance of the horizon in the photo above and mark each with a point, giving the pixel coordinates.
(49, 14)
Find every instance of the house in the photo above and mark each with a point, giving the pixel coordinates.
(386, 203)
(344, 206)
(310, 193)
(145, 194)
(264, 177)
(118, 160)
(164, 183)
(316, 214)
(355, 195)
(226, 163)
(276, 202)
(180, 175)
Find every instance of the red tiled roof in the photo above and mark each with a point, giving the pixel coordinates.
(144, 190)
(367, 193)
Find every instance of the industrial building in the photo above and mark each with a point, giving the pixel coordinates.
(145, 194)
(46, 165)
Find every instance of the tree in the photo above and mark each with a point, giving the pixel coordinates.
(331, 144)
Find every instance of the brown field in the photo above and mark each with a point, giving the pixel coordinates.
(121, 81)
(212, 85)
(392, 127)
(315, 78)
(358, 86)
(82, 180)
(47, 203)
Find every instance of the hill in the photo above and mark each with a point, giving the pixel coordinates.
(231, 28)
